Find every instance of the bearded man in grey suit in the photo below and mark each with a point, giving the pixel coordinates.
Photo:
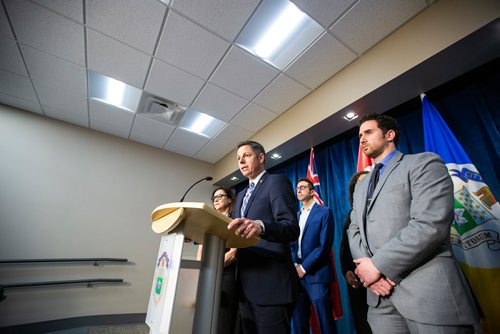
(399, 238)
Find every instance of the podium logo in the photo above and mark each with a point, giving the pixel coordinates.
(159, 281)
(161, 270)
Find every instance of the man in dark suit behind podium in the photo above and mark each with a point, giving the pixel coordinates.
(266, 275)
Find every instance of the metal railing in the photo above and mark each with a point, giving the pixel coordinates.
(96, 261)
(89, 282)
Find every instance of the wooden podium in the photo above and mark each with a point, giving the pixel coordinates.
(172, 296)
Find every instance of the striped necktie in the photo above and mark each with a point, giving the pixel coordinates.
(246, 198)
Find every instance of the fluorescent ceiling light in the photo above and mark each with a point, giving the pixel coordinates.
(278, 32)
(111, 91)
(202, 124)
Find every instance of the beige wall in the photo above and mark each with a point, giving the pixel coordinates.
(439, 26)
(67, 191)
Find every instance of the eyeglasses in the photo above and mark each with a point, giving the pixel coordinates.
(302, 188)
(217, 197)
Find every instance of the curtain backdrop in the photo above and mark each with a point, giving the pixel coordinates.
(470, 106)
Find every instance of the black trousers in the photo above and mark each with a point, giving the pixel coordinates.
(265, 319)
(229, 302)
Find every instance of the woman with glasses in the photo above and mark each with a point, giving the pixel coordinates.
(223, 200)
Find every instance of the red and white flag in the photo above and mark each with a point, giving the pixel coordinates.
(364, 162)
(334, 286)
(313, 177)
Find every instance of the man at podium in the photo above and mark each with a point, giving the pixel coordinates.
(267, 279)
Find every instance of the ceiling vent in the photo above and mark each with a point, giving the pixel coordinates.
(161, 110)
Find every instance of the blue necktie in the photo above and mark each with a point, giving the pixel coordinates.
(246, 198)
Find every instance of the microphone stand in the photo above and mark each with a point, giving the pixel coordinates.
(208, 178)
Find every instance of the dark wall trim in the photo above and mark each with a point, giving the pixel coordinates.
(88, 321)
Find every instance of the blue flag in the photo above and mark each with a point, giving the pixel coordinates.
(475, 231)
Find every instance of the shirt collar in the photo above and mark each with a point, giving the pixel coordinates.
(257, 179)
(309, 208)
(385, 161)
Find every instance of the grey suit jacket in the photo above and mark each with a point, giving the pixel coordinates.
(405, 231)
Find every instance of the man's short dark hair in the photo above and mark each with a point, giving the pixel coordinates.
(256, 147)
(384, 122)
(309, 183)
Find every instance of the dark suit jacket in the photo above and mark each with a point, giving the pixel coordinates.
(316, 244)
(266, 274)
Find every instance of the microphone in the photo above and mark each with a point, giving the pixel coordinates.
(207, 178)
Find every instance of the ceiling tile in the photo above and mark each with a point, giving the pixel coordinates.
(172, 83)
(117, 60)
(368, 22)
(17, 85)
(109, 119)
(55, 71)
(190, 47)
(108, 128)
(20, 103)
(77, 119)
(213, 152)
(253, 117)
(150, 132)
(324, 12)
(281, 94)
(321, 61)
(47, 31)
(225, 18)
(107, 113)
(136, 23)
(232, 135)
(4, 25)
(10, 57)
(62, 99)
(218, 103)
(243, 74)
(185, 142)
(70, 8)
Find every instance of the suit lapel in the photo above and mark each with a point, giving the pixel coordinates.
(363, 190)
(314, 210)
(393, 163)
(254, 193)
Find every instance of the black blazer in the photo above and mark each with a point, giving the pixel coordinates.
(266, 274)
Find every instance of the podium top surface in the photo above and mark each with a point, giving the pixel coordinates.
(199, 219)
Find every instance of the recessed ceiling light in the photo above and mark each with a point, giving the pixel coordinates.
(350, 116)
(278, 32)
(234, 178)
(114, 92)
(275, 156)
(200, 123)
